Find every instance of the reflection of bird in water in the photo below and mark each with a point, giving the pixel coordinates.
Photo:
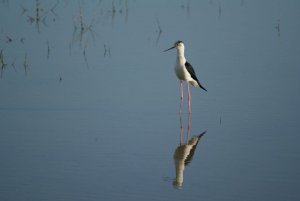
(185, 71)
(184, 152)
(183, 156)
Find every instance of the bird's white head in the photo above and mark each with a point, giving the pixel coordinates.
(179, 46)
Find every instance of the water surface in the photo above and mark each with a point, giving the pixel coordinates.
(89, 106)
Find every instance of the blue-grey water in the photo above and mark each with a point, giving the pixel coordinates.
(89, 103)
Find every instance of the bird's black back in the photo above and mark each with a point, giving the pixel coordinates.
(190, 69)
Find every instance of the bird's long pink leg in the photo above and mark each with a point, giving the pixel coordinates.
(189, 97)
(181, 96)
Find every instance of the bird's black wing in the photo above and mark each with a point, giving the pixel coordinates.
(190, 69)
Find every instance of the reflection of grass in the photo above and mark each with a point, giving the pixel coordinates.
(38, 13)
(106, 51)
(186, 6)
(84, 26)
(81, 28)
(114, 10)
(48, 50)
(25, 64)
(2, 63)
(39, 16)
(277, 27)
(159, 31)
(8, 39)
(85, 57)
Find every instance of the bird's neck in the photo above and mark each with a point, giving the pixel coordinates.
(180, 52)
(180, 56)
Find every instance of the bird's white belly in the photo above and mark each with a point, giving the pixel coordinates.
(182, 73)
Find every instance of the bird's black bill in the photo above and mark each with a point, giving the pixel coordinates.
(169, 49)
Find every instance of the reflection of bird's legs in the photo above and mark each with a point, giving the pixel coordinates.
(189, 128)
(181, 129)
(181, 97)
(189, 96)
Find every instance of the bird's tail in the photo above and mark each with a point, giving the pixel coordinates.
(201, 86)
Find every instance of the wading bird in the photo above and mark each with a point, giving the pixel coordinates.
(184, 72)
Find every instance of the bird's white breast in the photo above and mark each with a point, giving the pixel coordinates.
(180, 69)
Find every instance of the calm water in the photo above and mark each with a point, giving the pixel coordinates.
(89, 106)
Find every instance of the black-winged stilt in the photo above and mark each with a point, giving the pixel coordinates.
(184, 71)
